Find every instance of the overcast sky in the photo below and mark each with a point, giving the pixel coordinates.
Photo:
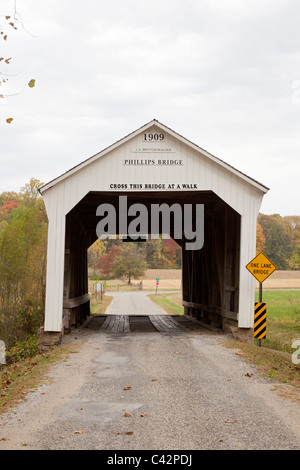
(225, 74)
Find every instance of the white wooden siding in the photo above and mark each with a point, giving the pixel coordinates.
(96, 174)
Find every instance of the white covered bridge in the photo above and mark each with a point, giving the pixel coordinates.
(156, 165)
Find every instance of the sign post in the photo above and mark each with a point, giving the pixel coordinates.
(157, 284)
(261, 268)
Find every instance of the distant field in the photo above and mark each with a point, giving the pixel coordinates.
(170, 279)
(282, 280)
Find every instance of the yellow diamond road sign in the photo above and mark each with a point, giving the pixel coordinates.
(261, 267)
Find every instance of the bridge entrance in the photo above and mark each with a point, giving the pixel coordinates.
(155, 166)
(210, 275)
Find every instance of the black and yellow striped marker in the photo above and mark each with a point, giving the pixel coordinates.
(260, 320)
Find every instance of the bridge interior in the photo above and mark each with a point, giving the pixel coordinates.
(210, 276)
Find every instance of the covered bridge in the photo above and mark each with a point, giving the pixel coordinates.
(154, 164)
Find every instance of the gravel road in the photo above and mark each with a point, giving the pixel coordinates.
(179, 387)
(133, 303)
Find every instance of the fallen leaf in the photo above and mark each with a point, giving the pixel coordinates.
(61, 437)
(248, 374)
(118, 433)
(31, 84)
(79, 408)
(92, 372)
(129, 433)
(79, 432)
(7, 60)
(143, 415)
(127, 415)
(9, 120)
(230, 420)
(153, 380)
(127, 388)
(3, 439)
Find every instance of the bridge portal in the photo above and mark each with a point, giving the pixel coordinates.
(153, 166)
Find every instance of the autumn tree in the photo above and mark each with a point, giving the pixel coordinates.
(23, 251)
(278, 246)
(106, 262)
(95, 252)
(260, 238)
(22, 274)
(130, 263)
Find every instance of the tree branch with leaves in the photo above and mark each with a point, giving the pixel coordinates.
(8, 24)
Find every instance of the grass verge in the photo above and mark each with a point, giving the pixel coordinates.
(171, 303)
(101, 306)
(273, 364)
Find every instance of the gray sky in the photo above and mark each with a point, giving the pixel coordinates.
(225, 74)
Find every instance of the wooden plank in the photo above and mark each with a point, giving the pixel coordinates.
(76, 301)
(169, 325)
(126, 324)
(117, 324)
(156, 323)
(179, 325)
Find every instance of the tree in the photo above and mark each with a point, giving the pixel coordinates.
(260, 238)
(278, 234)
(9, 206)
(130, 263)
(22, 274)
(23, 251)
(106, 262)
(95, 251)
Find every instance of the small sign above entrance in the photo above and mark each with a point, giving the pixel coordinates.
(261, 267)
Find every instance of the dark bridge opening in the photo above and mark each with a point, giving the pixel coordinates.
(210, 276)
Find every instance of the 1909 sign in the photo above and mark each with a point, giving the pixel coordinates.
(156, 137)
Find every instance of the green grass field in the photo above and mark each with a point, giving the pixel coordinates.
(283, 318)
(171, 303)
(283, 315)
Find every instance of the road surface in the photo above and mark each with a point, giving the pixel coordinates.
(151, 382)
(133, 303)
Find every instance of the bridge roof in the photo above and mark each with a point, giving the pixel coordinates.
(142, 129)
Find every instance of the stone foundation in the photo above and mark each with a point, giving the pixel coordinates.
(48, 339)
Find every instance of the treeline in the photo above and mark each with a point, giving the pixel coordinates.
(279, 238)
(23, 241)
(116, 259)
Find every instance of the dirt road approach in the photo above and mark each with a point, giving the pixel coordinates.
(151, 382)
